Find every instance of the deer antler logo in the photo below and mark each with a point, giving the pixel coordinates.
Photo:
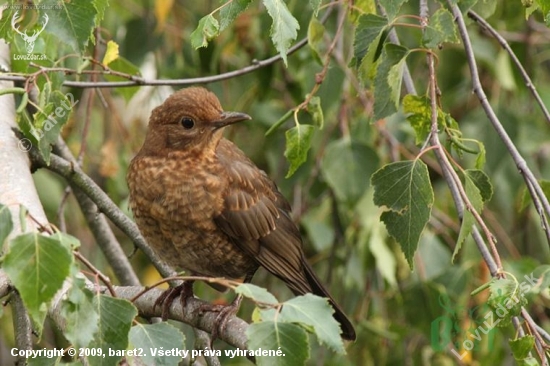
(29, 40)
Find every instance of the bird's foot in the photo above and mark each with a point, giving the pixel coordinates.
(224, 314)
(184, 291)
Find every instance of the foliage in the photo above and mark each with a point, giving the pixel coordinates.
(404, 182)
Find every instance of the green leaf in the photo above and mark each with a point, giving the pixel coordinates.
(395, 77)
(284, 28)
(386, 262)
(115, 320)
(68, 241)
(485, 8)
(480, 160)
(315, 33)
(369, 35)
(6, 224)
(121, 64)
(298, 142)
(359, 8)
(6, 30)
(506, 299)
(522, 346)
(315, 4)
(404, 188)
(101, 6)
(316, 312)
(229, 12)
(529, 361)
(386, 95)
(316, 112)
(79, 313)
(544, 6)
(37, 265)
(73, 24)
(441, 28)
(392, 7)
(543, 274)
(346, 166)
(290, 339)
(482, 182)
(256, 293)
(158, 336)
(52, 118)
(504, 71)
(208, 29)
(45, 361)
(419, 114)
(527, 199)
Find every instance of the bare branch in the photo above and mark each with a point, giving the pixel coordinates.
(22, 326)
(528, 82)
(522, 166)
(256, 65)
(203, 341)
(103, 234)
(233, 334)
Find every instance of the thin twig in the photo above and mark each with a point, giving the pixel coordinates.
(520, 162)
(528, 82)
(533, 327)
(256, 65)
(407, 78)
(96, 272)
(530, 85)
(516, 156)
(453, 181)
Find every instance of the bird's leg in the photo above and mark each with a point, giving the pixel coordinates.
(184, 291)
(224, 314)
(225, 311)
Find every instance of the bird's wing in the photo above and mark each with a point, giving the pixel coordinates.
(256, 217)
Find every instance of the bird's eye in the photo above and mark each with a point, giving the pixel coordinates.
(187, 123)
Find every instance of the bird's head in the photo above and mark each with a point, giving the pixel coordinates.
(191, 118)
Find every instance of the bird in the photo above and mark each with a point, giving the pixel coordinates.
(205, 207)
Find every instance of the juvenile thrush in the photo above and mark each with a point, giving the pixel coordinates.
(205, 207)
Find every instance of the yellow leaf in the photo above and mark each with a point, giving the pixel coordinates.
(162, 9)
(111, 54)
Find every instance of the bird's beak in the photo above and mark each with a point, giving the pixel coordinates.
(228, 118)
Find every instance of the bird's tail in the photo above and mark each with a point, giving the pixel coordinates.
(348, 332)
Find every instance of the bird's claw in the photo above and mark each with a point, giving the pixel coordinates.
(184, 291)
(224, 314)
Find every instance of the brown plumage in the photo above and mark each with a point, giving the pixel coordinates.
(206, 208)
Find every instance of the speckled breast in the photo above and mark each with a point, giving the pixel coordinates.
(174, 204)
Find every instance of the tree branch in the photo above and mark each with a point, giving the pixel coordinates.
(138, 81)
(233, 333)
(22, 326)
(522, 166)
(103, 234)
(528, 82)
